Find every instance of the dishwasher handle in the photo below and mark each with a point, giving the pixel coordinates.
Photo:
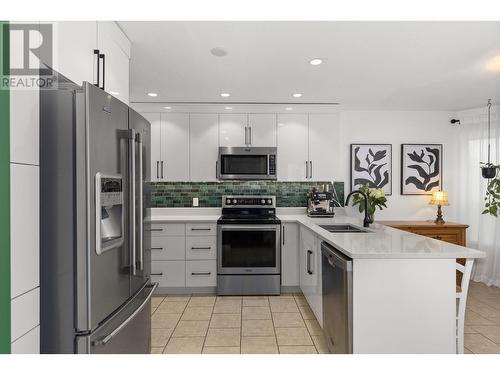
(336, 258)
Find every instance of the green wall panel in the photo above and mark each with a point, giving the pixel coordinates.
(4, 194)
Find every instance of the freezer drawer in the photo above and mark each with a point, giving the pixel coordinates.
(128, 331)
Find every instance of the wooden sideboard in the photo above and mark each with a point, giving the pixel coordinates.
(450, 232)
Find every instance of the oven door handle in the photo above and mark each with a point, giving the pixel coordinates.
(251, 227)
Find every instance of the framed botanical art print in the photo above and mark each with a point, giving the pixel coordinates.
(421, 168)
(371, 164)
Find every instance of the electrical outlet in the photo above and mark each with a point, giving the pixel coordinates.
(196, 202)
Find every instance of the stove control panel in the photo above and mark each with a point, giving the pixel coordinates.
(248, 201)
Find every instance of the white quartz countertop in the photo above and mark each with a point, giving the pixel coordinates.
(380, 242)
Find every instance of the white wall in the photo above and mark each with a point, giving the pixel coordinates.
(397, 127)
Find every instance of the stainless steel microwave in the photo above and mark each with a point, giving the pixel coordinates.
(247, 163)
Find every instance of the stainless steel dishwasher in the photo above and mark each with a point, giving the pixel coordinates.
(337, 299)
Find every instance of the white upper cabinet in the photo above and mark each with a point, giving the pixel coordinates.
(204, 134)
(292, 147)
(175, 146)
(232, 129)
(324, 145)
(74, 43)
(262, 129)
(156, 158)
(115, 46)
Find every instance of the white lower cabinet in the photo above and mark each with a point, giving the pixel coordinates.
(310, 271)
(184, 254)
(201, 273)
(169, 273)
(290, 254)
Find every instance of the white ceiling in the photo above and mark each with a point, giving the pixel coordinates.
(367, 65)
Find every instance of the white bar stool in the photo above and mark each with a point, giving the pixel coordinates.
(461, 296)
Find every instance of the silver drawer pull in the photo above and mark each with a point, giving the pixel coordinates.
(157, 274)
(155, 230)
(201, 273)
(200, 228)
(201, 248)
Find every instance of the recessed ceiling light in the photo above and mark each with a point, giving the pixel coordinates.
(493, 64)
(219, 52)
(115, 93)
(152, 94)
(315, 61)
(297, 95)
(167, 107)
(288, 108)
(225, 95)
(228, 108)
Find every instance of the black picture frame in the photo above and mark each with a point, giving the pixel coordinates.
(387, 187)
(407, 172)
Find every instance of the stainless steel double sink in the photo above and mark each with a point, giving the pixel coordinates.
(343, 228)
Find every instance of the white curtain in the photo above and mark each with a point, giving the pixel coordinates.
(484, 230)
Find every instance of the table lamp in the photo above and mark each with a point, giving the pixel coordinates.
(439, 198)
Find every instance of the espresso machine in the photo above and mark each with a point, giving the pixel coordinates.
(320, 203)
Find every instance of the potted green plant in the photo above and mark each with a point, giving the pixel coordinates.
(492, 197)
(376, 199)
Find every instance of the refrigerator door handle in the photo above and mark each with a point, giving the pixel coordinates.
(117, 330)
(141, 213)
(133, 238)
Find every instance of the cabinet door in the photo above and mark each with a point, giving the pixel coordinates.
(204, 146)
(116, 47)
(155, 120)
(262, 129)
(73, 44)
(175, 146)
(292, 147)
(290, 254)
(307, 264)
(232, 129)
(324, 145)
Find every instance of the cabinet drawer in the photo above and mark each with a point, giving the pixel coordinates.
(201, 273)
(448, 236)
(169, 273)
(168, 248)
(167, 229)
(201, 229)
(202, 247)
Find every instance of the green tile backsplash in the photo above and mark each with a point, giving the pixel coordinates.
(181, 194)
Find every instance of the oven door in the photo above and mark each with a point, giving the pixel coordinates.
(248, 249)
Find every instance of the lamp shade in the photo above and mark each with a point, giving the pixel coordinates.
(439, 198)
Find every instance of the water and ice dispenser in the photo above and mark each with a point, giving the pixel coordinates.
(109, 212)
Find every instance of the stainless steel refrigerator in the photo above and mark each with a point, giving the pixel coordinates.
(94, 229)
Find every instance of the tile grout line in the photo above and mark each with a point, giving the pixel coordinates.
(173, 330)
(208, 328)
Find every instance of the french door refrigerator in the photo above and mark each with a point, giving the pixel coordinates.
(94, 228)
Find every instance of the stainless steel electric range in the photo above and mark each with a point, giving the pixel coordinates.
(248, 246)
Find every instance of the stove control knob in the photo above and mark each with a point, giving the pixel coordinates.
(228, 201)
(269, 202)
(235, 201)
(262, 201)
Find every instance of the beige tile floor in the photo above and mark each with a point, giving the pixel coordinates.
(283, 324)
(232, 325)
